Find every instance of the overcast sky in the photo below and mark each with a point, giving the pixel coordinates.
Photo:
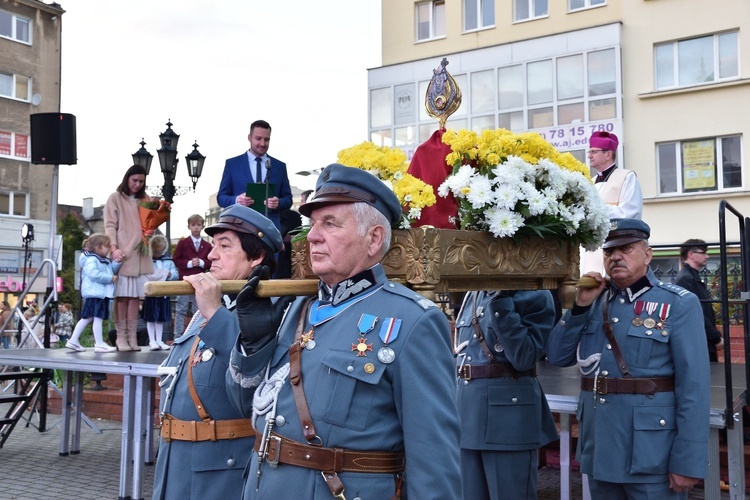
(212, 68)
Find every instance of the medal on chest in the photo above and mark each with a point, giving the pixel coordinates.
(388, 333)
(650, 308)
(638, 307)
(365, 326)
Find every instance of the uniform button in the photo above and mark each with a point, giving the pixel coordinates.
(662, 422)
(562, 322)
(497, 314)
(468, 358)
(230, 462)
(280, 421)
(461, 322)
(608, 347)
(350, 368)
(649, 332)
(621, 300)
(605, 373)
(357, 498)
(466, 382)
(391, 285)
(615, 320)
(514, 400)
(602, 400)
(664, 333)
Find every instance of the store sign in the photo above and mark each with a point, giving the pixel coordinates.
(10, 284)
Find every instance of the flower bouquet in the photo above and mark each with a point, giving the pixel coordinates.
(390, 165)
(518, 184)
(153, 213)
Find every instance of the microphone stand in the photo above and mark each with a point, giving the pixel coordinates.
(268, 172)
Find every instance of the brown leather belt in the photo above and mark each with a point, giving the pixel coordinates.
(281, 450)
(173, 429)
(494, 370)
(627, 385)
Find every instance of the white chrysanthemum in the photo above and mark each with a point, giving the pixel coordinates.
(480, 192)
(506, 196)
(538, 203)
(503, 223)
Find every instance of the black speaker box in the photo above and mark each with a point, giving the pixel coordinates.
(53, 139)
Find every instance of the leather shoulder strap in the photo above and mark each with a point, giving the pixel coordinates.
(191, 386)
(295, 377)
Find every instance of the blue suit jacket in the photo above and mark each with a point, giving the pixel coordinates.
(237, 175)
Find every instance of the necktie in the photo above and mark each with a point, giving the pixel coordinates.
(258, 171)
(197, 246)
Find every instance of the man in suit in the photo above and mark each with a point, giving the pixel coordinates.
(252, 166)
(190, 257)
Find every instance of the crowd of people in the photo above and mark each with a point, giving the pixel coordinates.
(345, 391)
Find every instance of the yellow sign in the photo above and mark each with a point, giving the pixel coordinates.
(699, 165)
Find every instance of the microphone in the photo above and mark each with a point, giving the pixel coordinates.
(268, 171)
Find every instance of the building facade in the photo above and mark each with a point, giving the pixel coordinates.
(669, 77)
(30, 36)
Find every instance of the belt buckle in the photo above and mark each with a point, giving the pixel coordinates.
(466, 372)
(601, 384)
(166, 419)
(273, 462)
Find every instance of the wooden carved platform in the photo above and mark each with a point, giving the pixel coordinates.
(430, 260)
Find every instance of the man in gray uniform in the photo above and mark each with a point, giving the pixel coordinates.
(354, 396)
(505, 417)
(644, 404)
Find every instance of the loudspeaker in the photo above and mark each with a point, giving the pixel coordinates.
(53, 139)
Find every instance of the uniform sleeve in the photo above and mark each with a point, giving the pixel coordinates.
(689, 455)
(523, 324)
(563, 342)
(424, 388)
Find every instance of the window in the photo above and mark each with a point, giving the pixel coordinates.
(430, 20)
(478, 14)
(696, 61)
(523, 10)
(583, 4)
(15, 86)
(12, 203)
(691, 166)
(14, 27)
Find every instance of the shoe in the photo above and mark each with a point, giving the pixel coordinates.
(75, 346)
(104, 348)
(163, 346)
(154, 346)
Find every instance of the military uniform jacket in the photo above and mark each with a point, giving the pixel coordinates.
(203, 469)
(505, 413)
(360, 402)
(640, 438)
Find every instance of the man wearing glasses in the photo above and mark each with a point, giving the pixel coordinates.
(619, 188)
(694, 257)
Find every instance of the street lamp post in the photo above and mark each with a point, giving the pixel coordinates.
(168, 161)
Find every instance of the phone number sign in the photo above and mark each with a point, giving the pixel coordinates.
(576, 135)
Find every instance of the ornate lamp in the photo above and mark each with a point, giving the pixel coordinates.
(195, 162)
(143, 158)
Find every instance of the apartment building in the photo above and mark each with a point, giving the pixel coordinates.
(669, 77)
(29, 83)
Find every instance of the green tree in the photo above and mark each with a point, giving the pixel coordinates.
(73, 235)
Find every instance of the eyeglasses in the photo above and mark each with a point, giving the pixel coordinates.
(594, 151)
